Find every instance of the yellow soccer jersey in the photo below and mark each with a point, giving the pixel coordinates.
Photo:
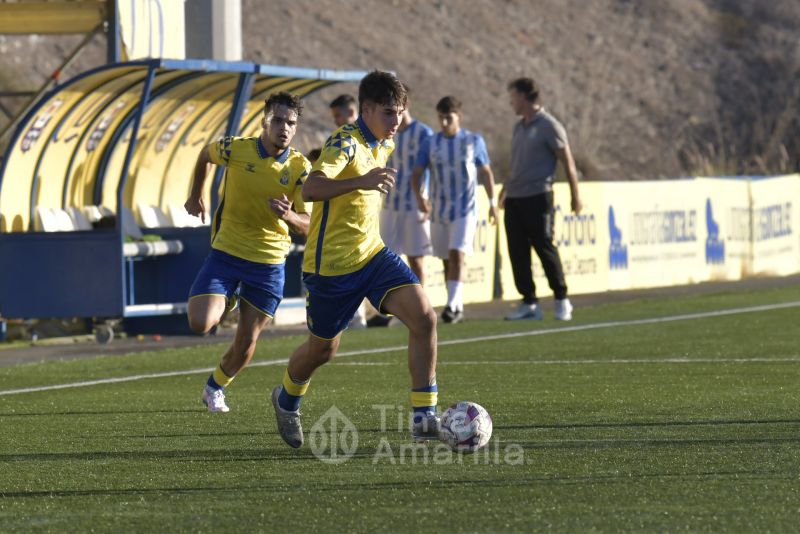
(343, 235)
(244, 225)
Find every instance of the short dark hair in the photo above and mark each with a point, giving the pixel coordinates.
(284, 98)
(382, 88)
(343, 101)
(449, 104)
(526, 87)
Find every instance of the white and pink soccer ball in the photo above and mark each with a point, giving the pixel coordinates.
(466, 427)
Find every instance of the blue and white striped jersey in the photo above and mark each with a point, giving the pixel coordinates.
(454, 163)
(406, 147)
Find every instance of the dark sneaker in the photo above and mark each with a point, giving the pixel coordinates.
(449, 315)
(427, 429)
(288, 422)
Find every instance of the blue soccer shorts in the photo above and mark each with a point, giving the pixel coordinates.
(332, 301)
(258, 284)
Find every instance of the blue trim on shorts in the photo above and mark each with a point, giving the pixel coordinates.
(332, 301)
(260, 284)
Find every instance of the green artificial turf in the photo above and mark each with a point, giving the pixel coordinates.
(682, 425)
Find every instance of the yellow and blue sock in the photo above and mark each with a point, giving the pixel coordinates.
(219, 379)
(292, 392)
(424, 400)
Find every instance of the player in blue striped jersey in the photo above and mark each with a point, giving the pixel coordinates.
(458, 161)
(404, 229)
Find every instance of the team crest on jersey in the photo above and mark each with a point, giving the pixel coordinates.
(285, 177)
(250, 167)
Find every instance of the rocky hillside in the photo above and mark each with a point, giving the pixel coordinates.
(646, 89)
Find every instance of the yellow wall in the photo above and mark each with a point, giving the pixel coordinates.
(665, 234)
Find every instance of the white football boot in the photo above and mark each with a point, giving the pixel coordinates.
(214, 399)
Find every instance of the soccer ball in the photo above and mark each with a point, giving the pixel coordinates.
(466, 427)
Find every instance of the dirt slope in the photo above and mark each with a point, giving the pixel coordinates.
(646, 89)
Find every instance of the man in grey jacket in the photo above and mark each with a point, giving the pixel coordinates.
(539, 142)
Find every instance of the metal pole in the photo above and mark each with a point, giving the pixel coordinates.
(113, 38)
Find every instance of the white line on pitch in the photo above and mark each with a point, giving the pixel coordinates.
(544, 331)
(594, 362)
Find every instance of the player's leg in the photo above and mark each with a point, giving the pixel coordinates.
(331, 303)
(454, 311)
(211, 293)
(261, 293)
(519, 229)
(394, 289)
(251, 322)
(461, 233)
(440, 244)
(416, 242)
(286, 398)
(205, 312)
(545, 247)
(411, 306)
(417, 265)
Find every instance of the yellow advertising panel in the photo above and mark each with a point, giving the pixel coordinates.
(479, 269)
(582, 241)
(152, 28)
(725, 227)
(776, 225)
(655, 234)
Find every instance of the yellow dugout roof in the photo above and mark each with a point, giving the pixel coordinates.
(129, 133)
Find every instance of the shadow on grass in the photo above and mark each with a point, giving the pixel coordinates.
(459, 484)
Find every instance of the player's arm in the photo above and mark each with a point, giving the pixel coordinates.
(319, 187)
(564, 155)
(486, 177)
(423, 204)
(195, 204)
(297, 222)
(421, 163)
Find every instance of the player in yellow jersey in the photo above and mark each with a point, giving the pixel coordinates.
(249, 234)
(345, 259)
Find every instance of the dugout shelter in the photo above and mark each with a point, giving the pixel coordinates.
(95, 176)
